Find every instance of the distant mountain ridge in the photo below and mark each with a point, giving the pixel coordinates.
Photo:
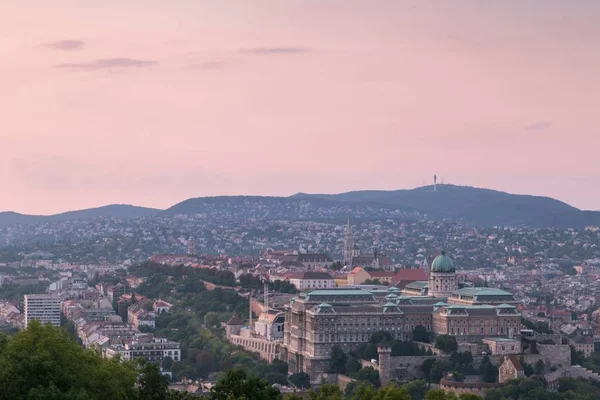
(113, 210)
(477, 206)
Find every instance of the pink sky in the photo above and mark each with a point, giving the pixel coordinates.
(152, 102)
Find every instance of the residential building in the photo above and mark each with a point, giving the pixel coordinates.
(312, 280)
(137, 316)
(145, 346)
(43, 307)
(161, 306)
(511, 369)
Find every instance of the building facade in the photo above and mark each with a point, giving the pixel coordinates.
(42, 307)
(318, 320)
(315, 322)
(312, 280)
(146, 346)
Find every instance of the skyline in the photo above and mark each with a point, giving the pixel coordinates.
(275, 98)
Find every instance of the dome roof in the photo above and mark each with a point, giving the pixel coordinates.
(442, 263)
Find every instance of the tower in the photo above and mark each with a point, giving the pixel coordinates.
(191, 247)
(442, 277)
(384, 364)
(250, 306)
(435, 183)
(266, 291)
(348, 245)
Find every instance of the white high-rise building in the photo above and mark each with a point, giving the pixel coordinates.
(43, 307)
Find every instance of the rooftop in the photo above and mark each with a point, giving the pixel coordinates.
(482, 291)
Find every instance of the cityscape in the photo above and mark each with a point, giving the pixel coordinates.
(299, 200)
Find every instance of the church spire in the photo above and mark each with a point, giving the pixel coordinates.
(348, 245)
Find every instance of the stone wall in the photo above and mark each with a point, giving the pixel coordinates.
(557, 355)
(478, 388)
(409, 367)
(266, 349)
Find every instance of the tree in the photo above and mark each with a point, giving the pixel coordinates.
(167, 363)
(369, 374)
(488, 370)
(420, 334)
(236, 385)
(326, 392)
(337, 364)
(438, 370)
(44, 362)
(301, 380)
(439, 394)
(469, 396)
(426, 367)
(153, 385)
(417, 389)
(381, 337)
(446, 343)
(353, 365)
(212, 320)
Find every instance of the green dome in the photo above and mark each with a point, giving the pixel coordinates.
(442, 263)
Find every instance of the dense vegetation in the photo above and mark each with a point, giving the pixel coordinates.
(43, 362)
(195, 322)
(12, 292)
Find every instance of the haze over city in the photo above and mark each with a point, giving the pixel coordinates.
(153, 102)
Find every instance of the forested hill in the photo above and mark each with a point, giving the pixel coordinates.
(113, 211)
(478, 206)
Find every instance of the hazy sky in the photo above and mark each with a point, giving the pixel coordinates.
(151, 102)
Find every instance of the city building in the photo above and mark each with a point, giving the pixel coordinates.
(359, 276)
(312, 280)
(270, 325)
(42, 307)
(137, 317)
(318, 320)
(145, 346)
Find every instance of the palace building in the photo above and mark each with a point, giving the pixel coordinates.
(318, 320)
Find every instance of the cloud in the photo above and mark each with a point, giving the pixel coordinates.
(538, 126)
(65, 45)
(108, 63)
(276, 50)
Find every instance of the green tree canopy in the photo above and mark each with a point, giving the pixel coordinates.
(420, 334)
(446, 343)
(236, 385)
(337, 364)
(300, 380)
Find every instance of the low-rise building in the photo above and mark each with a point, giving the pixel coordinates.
(503, 346)
(312, 280)
(145, 346)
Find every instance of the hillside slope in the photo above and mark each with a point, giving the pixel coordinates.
(113, 210)
(474, 205)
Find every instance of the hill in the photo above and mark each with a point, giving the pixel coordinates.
(478, 206)
(113, 210)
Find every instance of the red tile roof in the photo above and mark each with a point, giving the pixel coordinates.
(515, 362)
(406, 274)
(381, 274)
